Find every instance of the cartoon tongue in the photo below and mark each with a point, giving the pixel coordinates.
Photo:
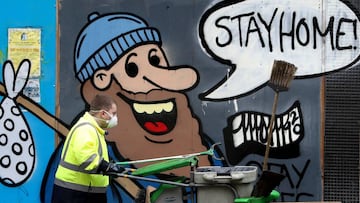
(156, 127)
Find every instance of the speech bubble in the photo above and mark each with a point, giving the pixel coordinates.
(316, 36)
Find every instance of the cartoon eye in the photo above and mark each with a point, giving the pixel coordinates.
(154, 60)
(131, 69)
(100, 76)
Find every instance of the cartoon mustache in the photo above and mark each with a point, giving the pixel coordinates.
(246, 133)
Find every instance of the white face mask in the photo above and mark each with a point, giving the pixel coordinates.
(113, 120)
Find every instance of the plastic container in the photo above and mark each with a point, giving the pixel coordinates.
(224, 184)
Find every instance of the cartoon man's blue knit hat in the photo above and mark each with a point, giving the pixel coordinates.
(106, 38)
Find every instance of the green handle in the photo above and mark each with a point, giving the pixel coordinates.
(273, 195)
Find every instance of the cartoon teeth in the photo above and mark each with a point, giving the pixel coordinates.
(17, 152)
(252, 127)
(247, 133)
(153, 108)
(157, 118)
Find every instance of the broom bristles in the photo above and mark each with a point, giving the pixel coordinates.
(282, 74)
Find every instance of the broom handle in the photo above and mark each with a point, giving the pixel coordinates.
(269, 135)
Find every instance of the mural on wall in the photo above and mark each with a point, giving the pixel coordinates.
(247, 133)
(17, 150)
(128, 63)
(121, 55)
(248, 38)
(26, 142)
(301, 33)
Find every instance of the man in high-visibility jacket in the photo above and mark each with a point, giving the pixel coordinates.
(80, 176)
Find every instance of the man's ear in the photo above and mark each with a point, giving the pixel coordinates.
(102, 79)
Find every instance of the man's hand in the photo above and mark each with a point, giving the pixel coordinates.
(106, 167)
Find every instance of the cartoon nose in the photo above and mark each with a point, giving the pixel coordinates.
(174, 78)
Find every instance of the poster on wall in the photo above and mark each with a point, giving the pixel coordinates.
(25, 43)
(32, 89)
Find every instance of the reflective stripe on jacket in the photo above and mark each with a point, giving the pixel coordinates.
(84, 148)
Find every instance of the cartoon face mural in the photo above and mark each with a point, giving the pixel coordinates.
(128, 63)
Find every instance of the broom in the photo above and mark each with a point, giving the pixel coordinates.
(281, 75)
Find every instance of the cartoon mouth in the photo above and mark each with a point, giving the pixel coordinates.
(156, 118)
(247, 133)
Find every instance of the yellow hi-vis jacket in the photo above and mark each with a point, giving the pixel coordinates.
(83, 150)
